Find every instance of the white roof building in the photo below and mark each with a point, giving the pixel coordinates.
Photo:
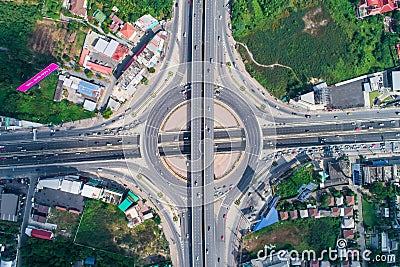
(347, 223)
(385, 242)
(52, 183)
(6, 263)
(309, 98)
(339, 201)
(396, 80)
(303, 213)
(8, 207)
(101, 45)
(148, 216)
(89, 105)
(111, 47)
(71, 186)
(91, 191)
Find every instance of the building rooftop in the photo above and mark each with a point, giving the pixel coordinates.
(70, 186)
(89, 89)
(8, 207)
(99, 16)
(89, 105)
(77, 7)
(128, 31)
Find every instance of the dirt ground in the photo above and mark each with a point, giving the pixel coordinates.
(51, 37)
(315, 20)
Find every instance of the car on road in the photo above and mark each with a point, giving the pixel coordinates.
(208, 228)
(187, 236)
(222, 237)
(335, 117)
(307, 116)
(357, 128)
(224, 216)
(2, 158)
(184, 34)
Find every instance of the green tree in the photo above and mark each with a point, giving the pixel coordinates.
(152, 70)
(107, 113)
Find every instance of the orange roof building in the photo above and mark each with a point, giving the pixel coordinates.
(128, 31)
(96, 67)
(374, 7)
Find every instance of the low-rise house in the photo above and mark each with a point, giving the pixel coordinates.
(331, 202)
(313, 213)
(350, 201)
(116, 23)
(339, 201)
(38, 233)
(335, 212)
(293, 214)
(284, 215)
(127, 31)
(346, 212)
(78, 8)
(303, 213)
(347, 223)
(146, 22)
(348, 234)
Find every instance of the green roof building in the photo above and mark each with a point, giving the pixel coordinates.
(99, 16)
(128, 201)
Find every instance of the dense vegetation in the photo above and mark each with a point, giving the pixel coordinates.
(289, 186)
(19, 63)
(300, 235)
(338, 48)
(105, 226)
(131, 10)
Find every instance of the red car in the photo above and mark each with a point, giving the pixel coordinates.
(222, 237)
(224, 216)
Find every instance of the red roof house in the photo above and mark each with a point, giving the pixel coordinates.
(374, 7)
(335, 212)
(84, 53)
(42, 234)
(128, 31)
(348, 234)
(350, 201)
(284, 215)
(77, 7)
(96, 67)
(293, 215)
(313, 213)
(116, 23)
(120, 52)
(331, 202)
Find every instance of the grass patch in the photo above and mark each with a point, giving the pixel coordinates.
(67, 222)
(288, 187)
(369, 214)
(104, 226)
(316, 38)
(301, 234)
(61, 252)
(372, 96)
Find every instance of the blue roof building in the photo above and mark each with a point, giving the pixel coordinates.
(271, 218)
(89, 90)
(89, 261)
